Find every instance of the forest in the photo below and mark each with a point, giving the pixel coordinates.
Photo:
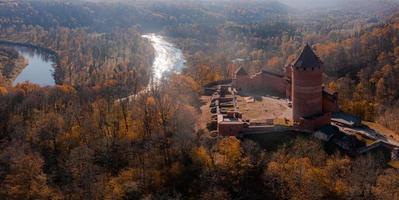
(76, 140)
(68, 143)
(11, 63)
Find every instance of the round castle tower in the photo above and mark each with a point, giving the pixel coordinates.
(307, 88)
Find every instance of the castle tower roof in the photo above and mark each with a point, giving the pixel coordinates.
(307, 59)
(241, 72)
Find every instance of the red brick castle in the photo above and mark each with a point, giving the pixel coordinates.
(302, 83)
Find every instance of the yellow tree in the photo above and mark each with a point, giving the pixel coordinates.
(387, 186)
(3, 91)
(24, 178)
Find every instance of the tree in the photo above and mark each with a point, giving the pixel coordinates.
(387, 186)
(84, 174)
(215, 193)
(184, 89)
(1, 79)
(363, 175)
(145, 110)
(381, 90)
(230, 152)
(3, 91)
(184, 123)
(24, 178)
(52, 127)
(124, 186)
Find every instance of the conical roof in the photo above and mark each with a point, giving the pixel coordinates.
(307, 59)
(241, 72)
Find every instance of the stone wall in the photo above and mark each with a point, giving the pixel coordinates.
(330, 103)
(314, 122)
(264, 81)
(230, 128)
(242, 83)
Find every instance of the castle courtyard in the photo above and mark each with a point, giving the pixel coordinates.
(260, 109)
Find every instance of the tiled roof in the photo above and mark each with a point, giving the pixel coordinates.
(307, 59)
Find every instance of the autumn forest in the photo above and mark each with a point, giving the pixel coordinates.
(109, 130)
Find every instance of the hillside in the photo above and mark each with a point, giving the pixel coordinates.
(365, 70)
(149, 15)
(109, 130)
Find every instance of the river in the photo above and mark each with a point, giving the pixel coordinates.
(39, 69)
(168, 59)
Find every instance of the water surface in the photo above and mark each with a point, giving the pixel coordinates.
(39, 69)
(168, 58)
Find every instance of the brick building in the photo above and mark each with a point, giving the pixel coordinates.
(302, 83)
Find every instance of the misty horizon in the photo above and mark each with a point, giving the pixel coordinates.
(199, 99)
(297, 4)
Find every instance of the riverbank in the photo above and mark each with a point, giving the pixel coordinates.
(11, 65)
(121, 57)
(48, 51)
(21, 62)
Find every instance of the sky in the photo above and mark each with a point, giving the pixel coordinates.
(330, 3)
(299, 4)
(311, 3)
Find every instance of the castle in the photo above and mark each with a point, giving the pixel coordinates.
(302, 83)
(300, 92)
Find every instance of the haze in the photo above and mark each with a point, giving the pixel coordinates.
(297, 4)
